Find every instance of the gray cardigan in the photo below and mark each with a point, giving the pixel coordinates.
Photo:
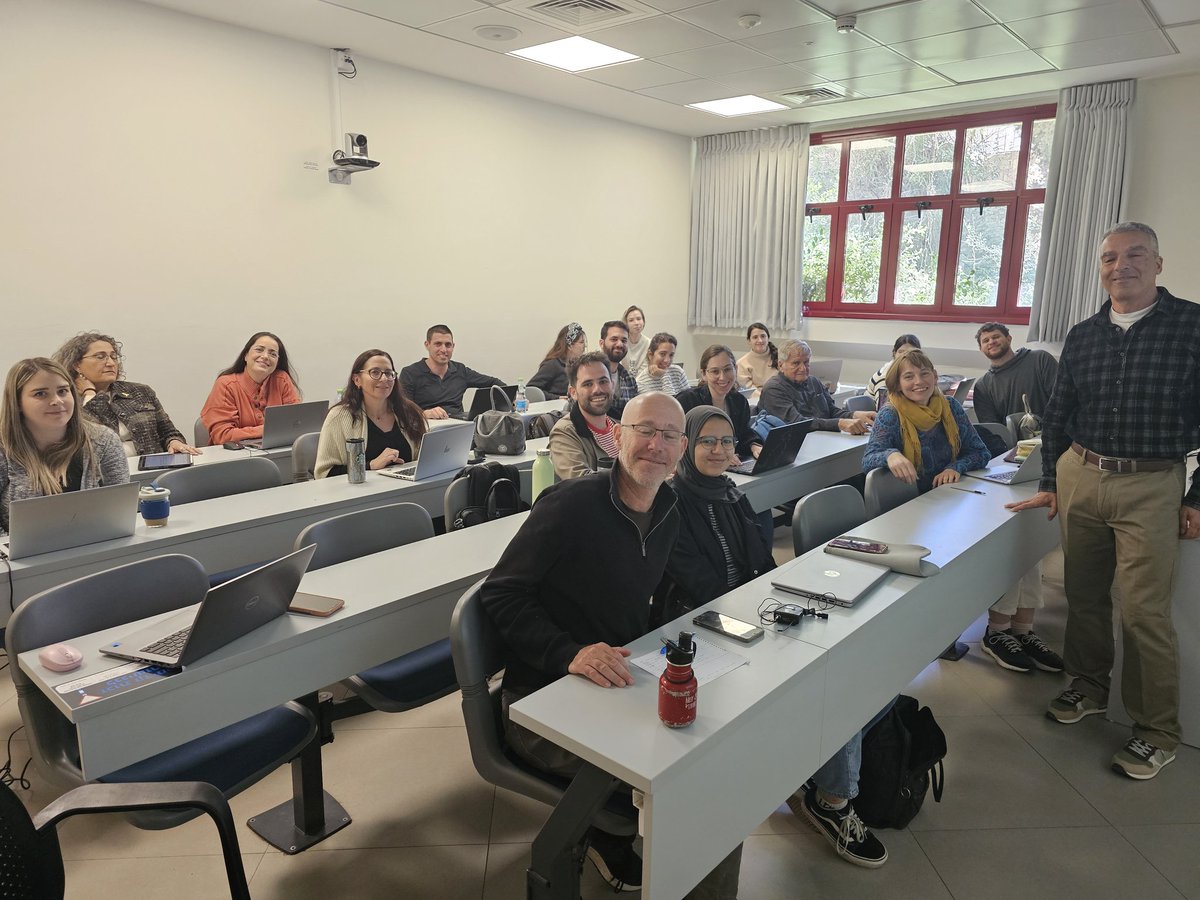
(108, 466)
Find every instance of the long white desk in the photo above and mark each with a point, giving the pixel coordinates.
(227, 532)
(766, 727)
(281, 456)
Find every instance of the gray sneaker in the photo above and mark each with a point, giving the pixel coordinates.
(1071, 706)
(1141, 760)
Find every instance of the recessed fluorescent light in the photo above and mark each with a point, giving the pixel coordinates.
(738, 106)
(574, 54)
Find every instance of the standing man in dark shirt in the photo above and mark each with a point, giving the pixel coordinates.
(614, 341)
(573, 587)
(1124, 413)
(793, 395)
(437, 383)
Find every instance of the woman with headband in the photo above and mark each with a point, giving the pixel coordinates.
(551, 376)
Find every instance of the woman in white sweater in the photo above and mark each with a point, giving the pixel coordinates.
(756, 367)
(661, 373)
(374, 408)
(639, 345)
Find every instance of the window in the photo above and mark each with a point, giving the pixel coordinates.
(937, 221)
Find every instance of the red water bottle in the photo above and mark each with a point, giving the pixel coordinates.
(677, 685)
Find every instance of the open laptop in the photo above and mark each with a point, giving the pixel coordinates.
(828, 371)
(442, 450)
(284, 423)
(228, 611)
(73, 519)
(779, 449)
(1030, 469)
(823, 577)
(482, 401)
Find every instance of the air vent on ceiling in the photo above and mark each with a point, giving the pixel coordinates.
(580, 16)
(811, 96)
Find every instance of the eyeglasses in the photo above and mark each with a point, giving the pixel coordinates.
(717, 373)
(709, 441)
(105, 357)
(380, 374)
(670, 435)
(261, 350)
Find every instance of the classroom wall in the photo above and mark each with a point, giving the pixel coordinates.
(155, 187)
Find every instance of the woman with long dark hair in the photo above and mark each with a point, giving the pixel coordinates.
(551, 376)
(374, 408)
(761, 362)
(260, 376)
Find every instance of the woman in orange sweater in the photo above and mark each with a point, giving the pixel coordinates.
(259, 377)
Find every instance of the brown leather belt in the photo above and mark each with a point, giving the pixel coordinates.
(1123, 466)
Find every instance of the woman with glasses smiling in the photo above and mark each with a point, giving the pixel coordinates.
(130, 409)
(374, 408)
(259, 377)
(718, 387)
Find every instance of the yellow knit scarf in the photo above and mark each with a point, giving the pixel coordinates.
(916, 419)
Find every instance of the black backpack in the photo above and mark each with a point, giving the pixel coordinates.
(493, 492)
(901, 756)
(539, 426)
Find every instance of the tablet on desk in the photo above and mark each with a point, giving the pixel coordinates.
(152, 461)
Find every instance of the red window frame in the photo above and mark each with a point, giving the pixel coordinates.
(954, 205)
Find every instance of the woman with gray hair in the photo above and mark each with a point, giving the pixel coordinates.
(130, 409)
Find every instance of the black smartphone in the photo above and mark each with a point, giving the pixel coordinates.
(152, 461)
(315, 605)
(861, 546)
(728, 626)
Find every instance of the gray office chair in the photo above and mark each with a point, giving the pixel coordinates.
(237, 476)
(1000, 431)
(885, 491)
(304, 456)
(479, 655)
(534, 394)
(861, 403)
(455, 499)
(825, 514)
(200, 434)
(231, 759)
(408, 681)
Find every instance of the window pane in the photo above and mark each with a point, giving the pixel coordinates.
(815, 263)
(980, 248)
(864, 253)
(871, 164)
(1029, 259)
(1040, 142)
(928, 161)
(916, 273)
(990, 158)
(824, 170)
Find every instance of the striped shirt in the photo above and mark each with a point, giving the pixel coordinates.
(1132, 394)
(733, 571)
(604, 437)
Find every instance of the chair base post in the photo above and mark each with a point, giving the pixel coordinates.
(955, 651)
(557, 852)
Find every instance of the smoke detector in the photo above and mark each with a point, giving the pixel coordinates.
(845, 24)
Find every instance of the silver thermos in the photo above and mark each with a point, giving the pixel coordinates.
(356, 460)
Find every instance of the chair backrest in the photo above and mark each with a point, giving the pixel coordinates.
(861, 403)
(304, 456)
(31, 864)
(367, 531)
(534, 394)
(825, 514)
(457, 492)
(200, 434)
(885, 491)
(1001, 431)
(220, 479)
(1013, 421)
(92, 603)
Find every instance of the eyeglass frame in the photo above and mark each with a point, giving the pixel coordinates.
(378, 374)
(666, 433)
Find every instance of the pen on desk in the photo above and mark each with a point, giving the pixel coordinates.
(967, 490)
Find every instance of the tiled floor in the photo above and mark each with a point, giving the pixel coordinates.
(1031, 810)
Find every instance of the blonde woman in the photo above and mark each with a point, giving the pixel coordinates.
(46, 446)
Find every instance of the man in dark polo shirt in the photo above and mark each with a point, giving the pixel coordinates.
(437, 383)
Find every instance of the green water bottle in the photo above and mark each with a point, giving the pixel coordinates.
(543, 472)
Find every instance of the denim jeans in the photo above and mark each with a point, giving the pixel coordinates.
(839, 776)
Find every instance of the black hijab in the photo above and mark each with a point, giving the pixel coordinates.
(699, 490)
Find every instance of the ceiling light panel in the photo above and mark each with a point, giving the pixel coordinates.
(722, 16)
(738, 106)
(574, 54)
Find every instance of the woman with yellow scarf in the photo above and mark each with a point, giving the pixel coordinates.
(922, 436)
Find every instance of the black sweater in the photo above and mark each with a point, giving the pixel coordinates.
(736, 405)
(577, 573)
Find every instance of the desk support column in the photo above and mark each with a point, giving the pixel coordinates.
(312, 814)
(557, 853)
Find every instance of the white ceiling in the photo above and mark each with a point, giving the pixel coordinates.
(906, 55)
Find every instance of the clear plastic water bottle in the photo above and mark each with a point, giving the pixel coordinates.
(521, 403)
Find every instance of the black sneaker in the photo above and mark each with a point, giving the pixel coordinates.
(1035, 648)
(846, 831)
(1006, 651)
(615, 860)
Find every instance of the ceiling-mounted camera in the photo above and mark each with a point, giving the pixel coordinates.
(355, 156)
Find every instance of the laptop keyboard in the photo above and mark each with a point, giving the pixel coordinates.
(171, 645)
(744, 468)
(1002, 477)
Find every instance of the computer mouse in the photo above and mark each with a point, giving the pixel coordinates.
(232, 445)
(60, 658)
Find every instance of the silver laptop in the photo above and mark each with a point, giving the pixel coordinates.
(1029, 470)
(227, 612)
(827, 370)
(442, 450)
(823, 577)
(62, 521)
(284, 423)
